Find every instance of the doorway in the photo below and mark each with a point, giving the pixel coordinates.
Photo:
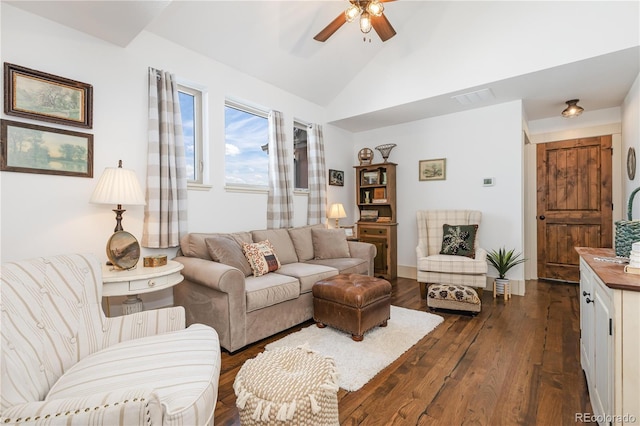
(574, 203)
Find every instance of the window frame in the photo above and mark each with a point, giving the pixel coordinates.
(301, 125)
(200, 127)
(254, 110)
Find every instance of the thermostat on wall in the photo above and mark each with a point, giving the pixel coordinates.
(488, 182)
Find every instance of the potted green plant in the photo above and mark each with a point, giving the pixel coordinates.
(503, 260)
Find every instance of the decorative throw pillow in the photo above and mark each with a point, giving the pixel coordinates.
(459, 240)
(330, 243)
(262, 257)
(226, 250)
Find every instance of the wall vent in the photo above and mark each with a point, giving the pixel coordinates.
(476, 97)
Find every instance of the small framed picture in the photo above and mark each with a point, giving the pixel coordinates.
(40, 96)
(432, 169)
(349, 231)
(370, 178)
(336, 177)
(29, 148)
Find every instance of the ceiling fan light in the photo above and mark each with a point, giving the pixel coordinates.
(352, 12)
(573, 109)
(375, 8)
(365, 22)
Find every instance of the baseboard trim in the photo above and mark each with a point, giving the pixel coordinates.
(517, 286)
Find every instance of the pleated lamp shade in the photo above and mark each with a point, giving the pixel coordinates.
(118, 186)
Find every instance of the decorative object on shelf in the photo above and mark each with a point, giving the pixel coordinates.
(367, 197)
(370, 15)
(627, 231)
(369, 215)
(435, 169)
(118, 186)
(336, 211)
(59, 152)
(349, 231)
(154, 261)
(503, 260)
(379, 194)
(336, 177)
(631, 163)
(573, 109)
(365, 156)
(385, 150)
(370, 178)
(123, 250)
(47, 97)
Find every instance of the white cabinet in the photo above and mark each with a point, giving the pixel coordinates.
(610, 338)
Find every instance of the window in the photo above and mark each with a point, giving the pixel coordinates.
(300, 163)
(246, 157)
(191, 110)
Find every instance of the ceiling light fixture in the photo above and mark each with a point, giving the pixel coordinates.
(573, 109)
(366, 9)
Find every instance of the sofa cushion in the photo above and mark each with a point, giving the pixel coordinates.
(345, 265)
(281, 242)
(262, 257)
(178, 367)
(452, 264)
(194, 245)
(302, 241)
(228, 251)
(270, 289)
(308, 274)
(459, 240)
(329, 243)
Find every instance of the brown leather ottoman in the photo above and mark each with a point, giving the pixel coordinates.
(352, 303)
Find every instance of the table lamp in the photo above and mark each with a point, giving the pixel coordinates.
(336, 211)
(118, 186)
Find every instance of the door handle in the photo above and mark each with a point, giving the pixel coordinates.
(584, 293)
(542, 217)
(589, 300)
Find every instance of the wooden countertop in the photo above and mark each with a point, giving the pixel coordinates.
(612, 274)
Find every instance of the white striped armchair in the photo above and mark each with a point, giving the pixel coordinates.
(436, 268)
(64, 363)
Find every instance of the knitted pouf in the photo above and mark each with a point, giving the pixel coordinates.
(293, 386)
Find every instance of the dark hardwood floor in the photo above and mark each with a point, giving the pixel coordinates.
(516, 363)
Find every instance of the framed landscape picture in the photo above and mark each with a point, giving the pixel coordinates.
(29, 148)
(40, 96)
(432, 169)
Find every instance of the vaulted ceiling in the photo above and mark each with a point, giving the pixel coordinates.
(273, 41)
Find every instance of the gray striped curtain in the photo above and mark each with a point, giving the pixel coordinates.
(280, 200)
(317, 201)
(165, 215)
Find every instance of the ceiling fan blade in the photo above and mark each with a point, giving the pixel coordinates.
(331, 28)
(383, 27)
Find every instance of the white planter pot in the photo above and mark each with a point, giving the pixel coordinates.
(500, 285)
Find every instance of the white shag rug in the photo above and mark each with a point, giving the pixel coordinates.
(359, 362)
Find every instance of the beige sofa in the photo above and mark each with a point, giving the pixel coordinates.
(244, 308)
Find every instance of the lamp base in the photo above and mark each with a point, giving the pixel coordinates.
(132, 305)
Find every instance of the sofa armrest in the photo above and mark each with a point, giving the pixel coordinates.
(143, 324)
(365, 251)
(111, 408)
(481, 254)
(214, 275)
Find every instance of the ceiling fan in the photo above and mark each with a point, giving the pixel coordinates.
(370, 13)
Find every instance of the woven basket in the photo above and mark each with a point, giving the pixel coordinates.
(627, 231)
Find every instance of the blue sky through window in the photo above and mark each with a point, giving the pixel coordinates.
(245, 161)
(187, 113)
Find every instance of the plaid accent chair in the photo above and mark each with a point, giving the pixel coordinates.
(64, 363)
(436, 268)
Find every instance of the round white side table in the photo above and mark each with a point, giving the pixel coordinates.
(132, 282)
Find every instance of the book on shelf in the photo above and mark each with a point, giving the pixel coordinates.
(384, 219)
(369, 215)
(379, 200)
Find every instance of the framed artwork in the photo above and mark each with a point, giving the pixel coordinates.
(40, 96)
(432, 169)
(370, 178)
(336, 177)
(29, 148)
(349, 231)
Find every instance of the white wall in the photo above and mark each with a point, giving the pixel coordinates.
(481, 143)
(631, 138)
(45, 214)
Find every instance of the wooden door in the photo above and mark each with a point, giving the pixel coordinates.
(574, 203)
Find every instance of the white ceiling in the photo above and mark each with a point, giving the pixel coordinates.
(273, 41)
